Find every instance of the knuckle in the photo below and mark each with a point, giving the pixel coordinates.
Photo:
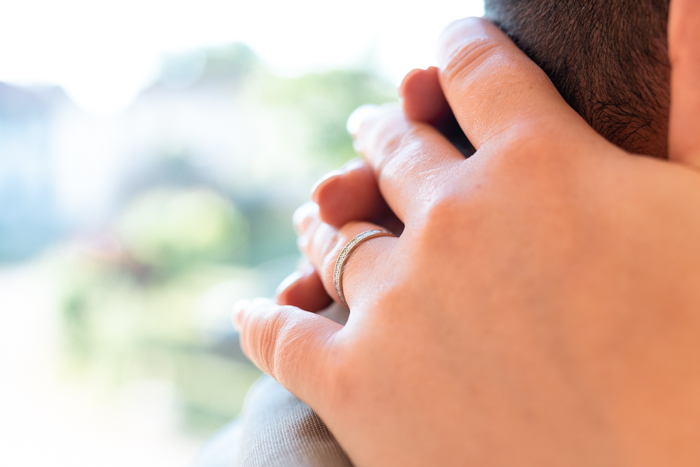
(445, 207)
(433, 223)
(395, 151)
(534, 145)
(452, 210)
(526, 142)
(470, 58)
(270, 338)
(390, 144)
(280, 341)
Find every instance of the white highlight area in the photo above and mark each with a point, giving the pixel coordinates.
(46, 421)
(103, 52)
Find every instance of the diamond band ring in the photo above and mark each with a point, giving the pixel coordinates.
(338, 272)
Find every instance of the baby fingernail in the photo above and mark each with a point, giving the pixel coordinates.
(404, 80)
(303, 215)
(324, 179)
(360, 115)
(238, 308)
(289, 280)
(352, 164)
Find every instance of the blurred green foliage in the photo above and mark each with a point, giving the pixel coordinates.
(231, 64)
(325, 101)
(168, 230)
(136, 303)
(119, 328)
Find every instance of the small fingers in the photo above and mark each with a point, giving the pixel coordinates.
(424, 101)
(422, 96)
(342, 196)
(304, 289)
(349, 194)
(322, 244)
(352, 194)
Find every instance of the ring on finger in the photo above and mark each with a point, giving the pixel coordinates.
(340, 263)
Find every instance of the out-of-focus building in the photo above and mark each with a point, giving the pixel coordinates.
(29, 218)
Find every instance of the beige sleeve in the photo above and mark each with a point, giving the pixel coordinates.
(276, 429)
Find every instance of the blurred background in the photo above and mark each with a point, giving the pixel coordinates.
(151, 156)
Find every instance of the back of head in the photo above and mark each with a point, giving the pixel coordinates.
(608, 58)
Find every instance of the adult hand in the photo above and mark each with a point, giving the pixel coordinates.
(351, 193)
(540, 307)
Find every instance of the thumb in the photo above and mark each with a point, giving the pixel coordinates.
(684, 54)
(293, 346)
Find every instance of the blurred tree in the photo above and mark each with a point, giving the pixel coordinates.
(136, 311)
(325, 101)
(230, 64)
(170, 231)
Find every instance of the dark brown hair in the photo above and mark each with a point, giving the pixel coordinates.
(608, 58)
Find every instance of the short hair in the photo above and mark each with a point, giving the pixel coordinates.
(608, 59)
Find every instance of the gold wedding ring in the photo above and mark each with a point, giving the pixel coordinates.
(339, 264)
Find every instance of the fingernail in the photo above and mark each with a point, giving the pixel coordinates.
(352, 164)
(359, 116)
(456, 36)
(303, 215)
(289, 280)
(329, 176)
(358, 146)
(238, 308)
(403, 82)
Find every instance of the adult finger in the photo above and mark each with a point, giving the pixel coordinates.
(293, 346)
(495, 90)
(365, 268)
(410, 160)
(684, 54)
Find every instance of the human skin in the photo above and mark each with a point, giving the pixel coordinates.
(351, 193)
(541, 305)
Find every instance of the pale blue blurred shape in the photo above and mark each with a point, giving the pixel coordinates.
(28, 217)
